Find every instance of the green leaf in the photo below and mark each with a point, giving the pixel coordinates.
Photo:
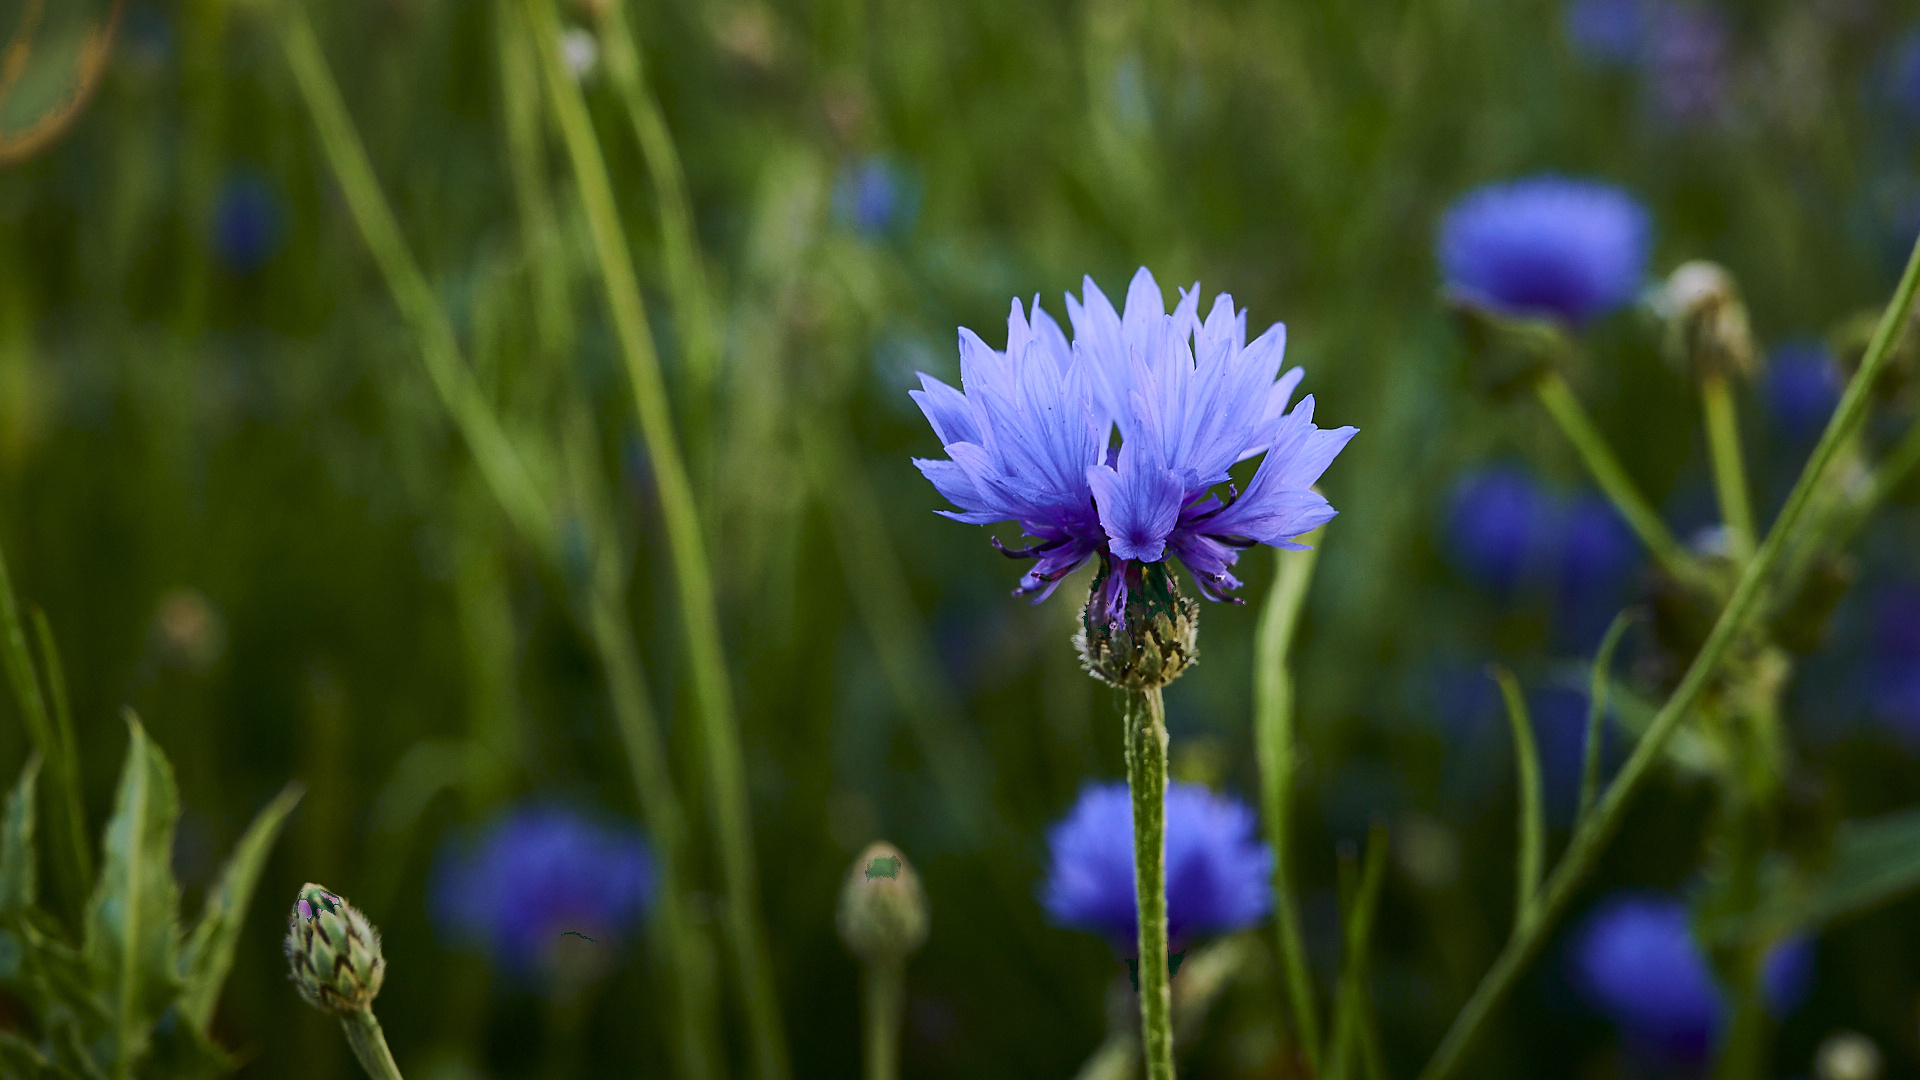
(70, 857)
(19, 877)
(132, 945)
(209, 950)
(1533, 830)
(1873, 862)
(21, 1060)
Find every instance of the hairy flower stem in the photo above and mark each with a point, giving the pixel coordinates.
(1274, 741)
(1592, 833)
(885, 991)
(1557, 397)
(1146, 721)
(369, 1044)
(1729, 472)
(719, 732)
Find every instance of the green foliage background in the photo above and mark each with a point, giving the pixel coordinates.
(361, 613)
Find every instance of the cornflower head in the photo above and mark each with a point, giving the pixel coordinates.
(1030, 439)
(535, 880)
(1802, 387)
(1219, 873)
(1546, 246)
(1635, 960)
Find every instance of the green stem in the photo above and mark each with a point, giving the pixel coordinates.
(1729, 472)
(369, 1044)
(720, 737)
(1532, 818)
(1557, 396)
(1147, 779)
(886, 999)
(1597, 689)
(1273, 733)
(1591, 836)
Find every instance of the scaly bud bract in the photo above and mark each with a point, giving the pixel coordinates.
(333, 952)
(1151, 641)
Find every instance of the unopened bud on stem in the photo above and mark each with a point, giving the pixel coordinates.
(883, 908)
(1707, 332)
(333, 952)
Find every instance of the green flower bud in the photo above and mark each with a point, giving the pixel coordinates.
(333, 952)
(1707, 330)
(883, 909)
(1152, 641)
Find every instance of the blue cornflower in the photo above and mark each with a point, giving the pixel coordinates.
(1635, 960)
(871, 196)
(1803, 386)
(1546, 246)
(1904, 76)
(1607, 31)
(1686, 61)
(1893, 660)
(246, 222)
(1219, 873)
(1030, 440)
(537, 875)
(1500, 523)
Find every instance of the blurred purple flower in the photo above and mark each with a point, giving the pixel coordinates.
(1598, 556)
(1546, 246)
(1893, 660)
(246, 222)
(1607, 31)
(872, 196)
(1803, 386)
(1635, 961)
(536, 875)
(1030, 439)
(1904, 74)
(1219, 873)
(1500, 523)
(1686, 61)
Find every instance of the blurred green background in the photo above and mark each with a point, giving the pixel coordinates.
(226, 477)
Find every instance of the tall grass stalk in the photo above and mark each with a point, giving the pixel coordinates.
(684, 949)
(1273, 733)
(720, 738)
(1592, 833)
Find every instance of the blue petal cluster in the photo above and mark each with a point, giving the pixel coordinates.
(1635, 961)
(1219, 873)
(1546, 246)
(1893, 661)
(1031, 438)
(1803, 386)
(246, 222)
(535, 874)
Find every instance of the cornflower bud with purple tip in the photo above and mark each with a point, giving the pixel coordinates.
(333, 952)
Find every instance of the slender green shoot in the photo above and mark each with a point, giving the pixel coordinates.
(1350, 1022)
(1144, 712)
(1597, 688)
(1591, 836)
(51, 731)
(720, 737)
(1729, 470)
(1604, 465)
(1533, 829)
(1273, 733)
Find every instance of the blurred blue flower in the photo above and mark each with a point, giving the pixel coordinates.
(1500, 524)
(1686, 60)
(1607, 31)
(1904, 74)
(1803, 386)
(1029, 439)
(537, 875)
(1635, 961)
(246, 222)
(1598, 556)
(871, 195)
(1546, 246)
(1893, 660)
(1219, 873)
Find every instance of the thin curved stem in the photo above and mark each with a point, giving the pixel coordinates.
(369, 1044)
(1729, 471)
(885, 992)
(1591, 836)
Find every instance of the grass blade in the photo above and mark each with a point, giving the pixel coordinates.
(19, 877)
(209, 950)
(71, 858)
(1273, 739)
(1350, 1008)
(132, 946)
(1533, 833)
(1597, 711)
